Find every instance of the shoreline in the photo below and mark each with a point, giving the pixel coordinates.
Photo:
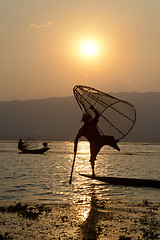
(112, 220)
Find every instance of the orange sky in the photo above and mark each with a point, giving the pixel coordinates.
(42, 54)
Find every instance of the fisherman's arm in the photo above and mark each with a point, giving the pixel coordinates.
(97, 115)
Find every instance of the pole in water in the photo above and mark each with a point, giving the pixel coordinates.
(70, 180)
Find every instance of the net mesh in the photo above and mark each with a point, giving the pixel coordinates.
(117, 117)
(30, 143)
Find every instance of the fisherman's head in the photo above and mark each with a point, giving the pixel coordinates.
(86, 117)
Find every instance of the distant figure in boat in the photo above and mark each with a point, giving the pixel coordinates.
(90, 131)
(21, 144)
(45, 145)
(25, 149)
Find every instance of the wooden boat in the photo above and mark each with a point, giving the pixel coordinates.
(126, 181)
(27, 147)
(35, 151)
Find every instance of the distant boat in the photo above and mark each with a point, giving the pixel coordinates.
(27, 147)
(35, 151)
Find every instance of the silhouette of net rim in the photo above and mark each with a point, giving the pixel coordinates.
(116, 116)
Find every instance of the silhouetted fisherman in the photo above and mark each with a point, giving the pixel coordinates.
(45, 144)
(90, 131)
(21, 144)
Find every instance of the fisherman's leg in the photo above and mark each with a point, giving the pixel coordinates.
(92, 160)
(92, 166)
(94, 150)
(110, 141)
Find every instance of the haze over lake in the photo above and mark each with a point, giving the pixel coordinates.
(60, 118)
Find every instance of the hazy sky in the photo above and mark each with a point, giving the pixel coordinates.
(48, 46)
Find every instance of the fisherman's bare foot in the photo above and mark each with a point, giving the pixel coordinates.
(117, 148)
(115, 145)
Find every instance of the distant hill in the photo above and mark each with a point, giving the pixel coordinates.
(59, 118)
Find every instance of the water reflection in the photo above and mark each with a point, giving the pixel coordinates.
(89, 228)
(82, 163)
(46, 177)
(83, 147)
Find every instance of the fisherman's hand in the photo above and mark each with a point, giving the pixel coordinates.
(95, 111)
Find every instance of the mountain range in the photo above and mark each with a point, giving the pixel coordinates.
(60, 118)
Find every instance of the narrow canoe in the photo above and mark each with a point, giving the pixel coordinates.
(126, 181)
(35, 151)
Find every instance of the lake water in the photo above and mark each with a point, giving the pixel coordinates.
(45, 178)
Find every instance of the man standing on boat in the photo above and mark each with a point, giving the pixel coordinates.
(21, 144)
(90, 131)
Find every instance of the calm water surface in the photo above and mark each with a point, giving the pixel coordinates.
(45, 178)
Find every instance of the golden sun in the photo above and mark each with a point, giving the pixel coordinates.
(88, 48)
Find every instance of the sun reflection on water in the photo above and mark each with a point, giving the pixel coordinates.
(87, 207)
(84, 213)
(83, 157)
(83, 147)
